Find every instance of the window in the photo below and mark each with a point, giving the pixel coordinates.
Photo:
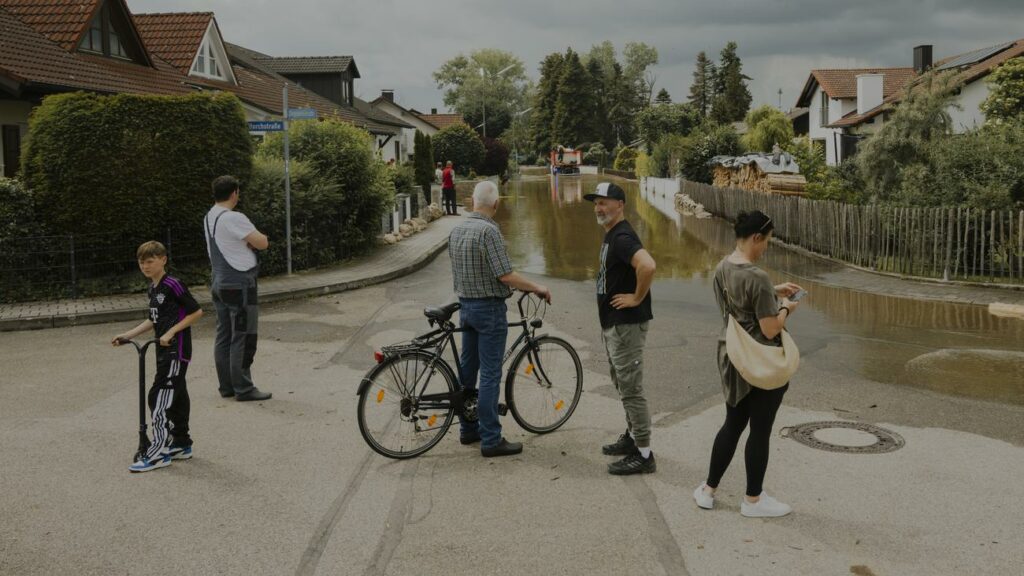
(207, 63)
(102, 37)
(824, 110)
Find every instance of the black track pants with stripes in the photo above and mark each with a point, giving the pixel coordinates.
(169, 403)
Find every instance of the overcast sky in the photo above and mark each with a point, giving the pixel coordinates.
(397, 44)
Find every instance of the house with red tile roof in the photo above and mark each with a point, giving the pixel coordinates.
(831, 94)
(53, 46)
(442, 121)
(848, 105)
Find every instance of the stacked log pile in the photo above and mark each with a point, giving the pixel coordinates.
(750, 177)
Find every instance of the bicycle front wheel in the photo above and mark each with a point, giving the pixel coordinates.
(406, 406)
(544, 384)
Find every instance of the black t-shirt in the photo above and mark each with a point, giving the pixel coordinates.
(169, 303)
(617, 276)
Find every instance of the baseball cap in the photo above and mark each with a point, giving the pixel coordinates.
(607, 190)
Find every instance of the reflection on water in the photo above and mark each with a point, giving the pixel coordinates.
(951, 348)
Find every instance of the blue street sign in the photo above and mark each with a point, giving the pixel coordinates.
(302, 114)
(266, 126)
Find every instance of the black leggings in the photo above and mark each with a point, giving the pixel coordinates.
(758, 408)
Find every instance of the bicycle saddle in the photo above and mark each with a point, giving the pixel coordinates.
(442, 314)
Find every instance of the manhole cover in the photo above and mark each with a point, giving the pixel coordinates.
(852, 437)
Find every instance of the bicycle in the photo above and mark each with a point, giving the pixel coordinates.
(409, 399)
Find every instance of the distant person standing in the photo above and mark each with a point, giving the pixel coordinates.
(438, 176)
(232, 241)
(448, 189)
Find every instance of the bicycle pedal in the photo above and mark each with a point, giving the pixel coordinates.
(502, 409)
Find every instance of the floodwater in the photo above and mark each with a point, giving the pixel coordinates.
(949, 348)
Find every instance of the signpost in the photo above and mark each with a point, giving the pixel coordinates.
(287, 183)
(282, 126)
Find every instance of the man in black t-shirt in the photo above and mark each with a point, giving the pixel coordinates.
(624, 307)
(172, 310)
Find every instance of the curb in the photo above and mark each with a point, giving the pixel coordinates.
(104, 317)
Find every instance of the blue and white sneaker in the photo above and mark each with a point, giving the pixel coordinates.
(178, 452)
(145, 464)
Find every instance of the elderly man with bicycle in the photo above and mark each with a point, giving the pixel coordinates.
(483, 279)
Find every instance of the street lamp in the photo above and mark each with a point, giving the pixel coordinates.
(515, 141)
(483, 98)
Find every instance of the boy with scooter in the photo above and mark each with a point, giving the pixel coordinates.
(172, 310)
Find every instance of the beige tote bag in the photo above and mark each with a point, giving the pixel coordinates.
(765, 367)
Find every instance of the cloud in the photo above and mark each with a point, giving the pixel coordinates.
(397, 44)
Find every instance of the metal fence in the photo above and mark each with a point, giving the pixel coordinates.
(950, 243)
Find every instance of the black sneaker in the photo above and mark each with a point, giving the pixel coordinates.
(633, 464)
(624, 446)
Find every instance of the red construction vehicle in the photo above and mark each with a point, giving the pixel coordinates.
(565, 160)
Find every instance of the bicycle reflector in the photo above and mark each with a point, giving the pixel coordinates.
(378, 356)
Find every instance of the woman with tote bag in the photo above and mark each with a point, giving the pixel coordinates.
(756, 357)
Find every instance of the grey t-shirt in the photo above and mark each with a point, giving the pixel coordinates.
(746, 292)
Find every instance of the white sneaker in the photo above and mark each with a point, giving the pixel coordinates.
(703, 499)
(766, 507)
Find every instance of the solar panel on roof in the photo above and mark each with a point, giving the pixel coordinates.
(975, 57)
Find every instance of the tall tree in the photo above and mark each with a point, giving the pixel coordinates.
(702, 91)
(600, 129)
(571, 123)
(639, 58)
(545, 99)
(732, 97)
(473, 85)
(663, 97)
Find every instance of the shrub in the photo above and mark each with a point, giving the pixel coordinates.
(704, 144)
(17, 211)
(643, 165)
(132, 164)
(495, 159)
(342, 156)
(626, 160)
(1006, 92)
(423, 161)
(403, 178)
(461, 145)
(667, 155)
(767, 126)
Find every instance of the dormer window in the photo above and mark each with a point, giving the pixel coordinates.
(102, 37)
(208, 62)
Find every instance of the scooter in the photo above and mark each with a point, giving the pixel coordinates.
(144, 442)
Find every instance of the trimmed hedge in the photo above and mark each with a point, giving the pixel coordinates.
(130, 163)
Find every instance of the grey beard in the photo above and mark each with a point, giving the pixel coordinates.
(602, 220)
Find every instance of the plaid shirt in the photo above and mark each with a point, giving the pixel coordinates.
(479, 258)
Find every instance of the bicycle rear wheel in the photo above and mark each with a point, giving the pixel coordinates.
(544, 384)
(405, 406)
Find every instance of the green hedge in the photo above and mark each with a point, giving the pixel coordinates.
(341, 157)
(106, 173)
(131, 163)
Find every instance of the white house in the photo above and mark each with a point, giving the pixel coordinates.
(831, 95)
(969, 71)
(385, 103)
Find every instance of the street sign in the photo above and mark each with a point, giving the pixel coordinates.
(266, 126)
(302, 114)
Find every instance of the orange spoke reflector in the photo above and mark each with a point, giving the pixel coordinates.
(432, 419)
(529, 369)
(380, 397)
(559, 404)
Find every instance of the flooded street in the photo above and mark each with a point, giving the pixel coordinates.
(950, 348)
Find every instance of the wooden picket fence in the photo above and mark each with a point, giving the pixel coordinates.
(956, 243)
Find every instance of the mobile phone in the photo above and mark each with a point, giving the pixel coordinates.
(798, 295)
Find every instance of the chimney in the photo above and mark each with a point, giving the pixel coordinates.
(433, 110)
(869, 91)
(388, 95)
(922, 58)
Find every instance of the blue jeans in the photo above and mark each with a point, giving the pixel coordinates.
(483, 346)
